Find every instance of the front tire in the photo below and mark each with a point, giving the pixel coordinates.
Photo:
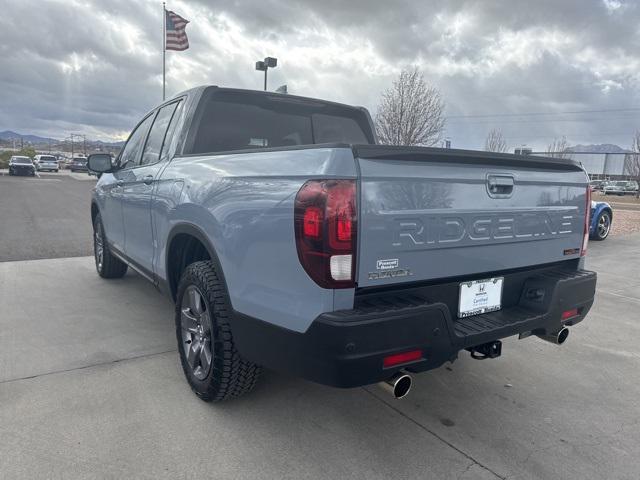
(107, 265)
(212, 364)
(603, 226)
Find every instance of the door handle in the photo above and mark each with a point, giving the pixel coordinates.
(500, 186)
(148, 180)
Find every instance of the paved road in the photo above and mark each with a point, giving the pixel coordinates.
(90, 387)
(45, 217)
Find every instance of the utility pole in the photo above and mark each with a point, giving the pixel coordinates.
(84, 143)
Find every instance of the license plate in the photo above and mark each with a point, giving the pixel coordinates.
(480, 296)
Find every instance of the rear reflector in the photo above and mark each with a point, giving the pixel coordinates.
(403, 357)
(569, 314)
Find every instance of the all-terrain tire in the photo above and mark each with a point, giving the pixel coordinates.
(229, 375)
(107, 265)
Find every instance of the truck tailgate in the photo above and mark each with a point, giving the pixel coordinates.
(429, 213)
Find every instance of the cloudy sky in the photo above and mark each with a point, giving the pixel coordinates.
(534, 69)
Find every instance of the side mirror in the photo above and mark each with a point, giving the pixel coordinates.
(99, 162)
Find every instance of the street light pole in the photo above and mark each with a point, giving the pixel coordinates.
(264, 65)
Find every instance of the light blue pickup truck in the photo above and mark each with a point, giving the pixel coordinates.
(289, 239)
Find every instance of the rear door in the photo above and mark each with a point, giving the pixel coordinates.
(138, 188)
(428, 214)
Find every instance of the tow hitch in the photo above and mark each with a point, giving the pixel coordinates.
(486, 350)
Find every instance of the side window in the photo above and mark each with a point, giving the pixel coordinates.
(157, 134)
(130, 156)
(171, 139)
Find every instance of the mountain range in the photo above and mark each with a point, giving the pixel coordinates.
(9, 135)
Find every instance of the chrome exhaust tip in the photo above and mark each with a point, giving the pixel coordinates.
(398, 385)
(557, 338)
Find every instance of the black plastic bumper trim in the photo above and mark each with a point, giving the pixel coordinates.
(346, 348)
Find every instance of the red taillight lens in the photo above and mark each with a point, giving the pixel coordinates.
(569, 314)
(587, 218)
(400, 358)
(325, 220)
(312, 222)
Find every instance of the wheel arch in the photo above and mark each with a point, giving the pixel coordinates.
(187, 243)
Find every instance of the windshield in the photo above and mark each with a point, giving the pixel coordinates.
(235, 121)
(48, 159)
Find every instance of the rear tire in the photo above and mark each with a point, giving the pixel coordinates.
(603, 226)
(107, 265)
(212, 364)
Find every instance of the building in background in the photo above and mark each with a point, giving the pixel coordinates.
(599, 166)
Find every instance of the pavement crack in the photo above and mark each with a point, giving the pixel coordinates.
(463, 473)
(439, 437)
(84, 367)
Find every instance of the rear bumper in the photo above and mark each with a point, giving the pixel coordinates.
(346, 348)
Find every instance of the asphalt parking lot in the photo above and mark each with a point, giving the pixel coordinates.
(46, 216)
(91, 386)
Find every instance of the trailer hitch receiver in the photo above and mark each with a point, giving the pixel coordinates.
(486, 350)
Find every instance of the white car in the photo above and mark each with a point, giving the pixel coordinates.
(46, 162)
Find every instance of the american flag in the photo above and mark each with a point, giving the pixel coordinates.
(176, 34)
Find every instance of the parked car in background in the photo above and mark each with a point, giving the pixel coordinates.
(601, 220)
(621, 187)
(597, 185)
(19, 165)
(289, 239)
(79, 164)
(46, 163)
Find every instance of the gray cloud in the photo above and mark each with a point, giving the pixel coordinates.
(94, 66)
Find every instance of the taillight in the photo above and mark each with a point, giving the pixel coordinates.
(587, 218)
(325, 219)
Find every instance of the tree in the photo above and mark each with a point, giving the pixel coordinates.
(7, 154)
(495, 142)
(632, 160)
(559, 148)
(410, 112)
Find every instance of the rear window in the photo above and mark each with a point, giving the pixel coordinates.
(48, 159)
(25, 160)
(243, 120)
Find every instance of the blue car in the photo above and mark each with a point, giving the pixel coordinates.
(601, 220)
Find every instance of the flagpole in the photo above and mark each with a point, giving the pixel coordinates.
(164, 47)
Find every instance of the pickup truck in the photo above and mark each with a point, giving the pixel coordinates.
(289, 239)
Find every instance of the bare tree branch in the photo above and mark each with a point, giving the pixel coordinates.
(559, 148)
(632, 160)
(495, 142)
(410, 112)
